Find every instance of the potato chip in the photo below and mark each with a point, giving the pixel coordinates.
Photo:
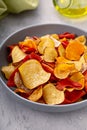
(50, 54)
(61, 50)
(81, 39)
(33, 74)
(51, 95)
(63, 70)
(17, 54)
(36, 95)
(7, 70)
(46, 41)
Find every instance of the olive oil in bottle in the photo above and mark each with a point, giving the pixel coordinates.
(71, 8)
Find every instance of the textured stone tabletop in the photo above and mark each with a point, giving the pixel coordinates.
(16, 116)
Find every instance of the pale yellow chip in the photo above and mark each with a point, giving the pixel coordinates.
(50, 54)
(63, 70)
(7, 70)
(51, 95)
(17, 54)
(45, 42)
(36, 95)
(61, 50)
(79, 64)
(33, 74)
(57, 42)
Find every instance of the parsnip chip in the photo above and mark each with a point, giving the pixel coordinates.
(36, 95)
(62, 70)
(79, 64)
(74, 50)
(51, 95)
(17, 54)
(50, 54)
(57, 42)
(46, 41)
(33, 74)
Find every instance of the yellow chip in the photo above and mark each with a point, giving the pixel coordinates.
(45, 42)
(7, 70)
(17, 54)
(36, 95)
(63, 70)
(50, 54)
(51, 95)
(78, 77)
(33, 74)
(81, 39)
(61, 50)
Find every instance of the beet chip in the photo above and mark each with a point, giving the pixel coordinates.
(68, 83)
(73, 96)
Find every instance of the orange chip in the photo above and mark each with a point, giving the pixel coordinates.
(63, 70)
(62, 59)
(74, 50)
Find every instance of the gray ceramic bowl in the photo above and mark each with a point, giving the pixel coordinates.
(38, 30)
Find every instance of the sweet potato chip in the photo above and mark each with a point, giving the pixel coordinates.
(17, 54)
(63, 70)
(62, 59)
(74, 50)
(33, 74)
(50, 54)
(36, 95)
(51, 95)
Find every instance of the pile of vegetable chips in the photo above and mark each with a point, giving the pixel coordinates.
(51, 69)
